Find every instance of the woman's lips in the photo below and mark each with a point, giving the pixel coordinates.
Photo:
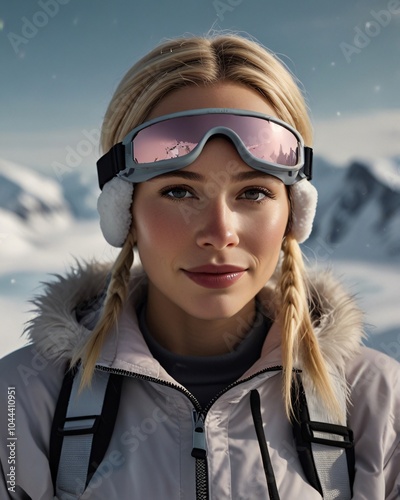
(213, 276)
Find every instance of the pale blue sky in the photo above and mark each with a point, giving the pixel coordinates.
(58, 70)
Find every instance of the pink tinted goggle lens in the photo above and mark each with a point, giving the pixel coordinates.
(178, 136)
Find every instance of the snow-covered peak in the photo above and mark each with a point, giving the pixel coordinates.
(386, 170)
(26, 193)
(33, 210)
(358, 216)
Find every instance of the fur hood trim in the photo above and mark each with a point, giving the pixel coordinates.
(69, 307)
(54, 329)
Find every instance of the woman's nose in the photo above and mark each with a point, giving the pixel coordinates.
(218, 226)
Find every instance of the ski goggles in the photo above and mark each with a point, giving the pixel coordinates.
(174, 141)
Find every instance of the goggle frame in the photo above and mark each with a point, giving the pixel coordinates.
(120, 162)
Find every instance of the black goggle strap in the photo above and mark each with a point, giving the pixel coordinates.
(110, 164)
(113, 162)
(308, 163)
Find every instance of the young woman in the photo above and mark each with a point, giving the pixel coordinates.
(219, 367)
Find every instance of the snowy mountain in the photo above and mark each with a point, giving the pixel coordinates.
(27, 194)
(31, 206)
(35, 207)
(358, 214)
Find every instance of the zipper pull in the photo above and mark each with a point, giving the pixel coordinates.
(199, 437)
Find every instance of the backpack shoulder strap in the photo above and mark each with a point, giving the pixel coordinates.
(82, 427)
(325, 450)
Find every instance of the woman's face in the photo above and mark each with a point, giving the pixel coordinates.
(209, 235)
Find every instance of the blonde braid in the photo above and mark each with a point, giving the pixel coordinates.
(298, 337)
(116, 294)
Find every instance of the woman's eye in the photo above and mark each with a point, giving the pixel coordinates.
(177, 193)
(255, 194)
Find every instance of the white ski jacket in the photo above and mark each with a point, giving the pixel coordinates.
(149, 455)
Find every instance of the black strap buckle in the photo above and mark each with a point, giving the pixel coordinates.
(310, 427)
(93, 422)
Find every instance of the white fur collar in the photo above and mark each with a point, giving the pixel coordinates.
(56, 332)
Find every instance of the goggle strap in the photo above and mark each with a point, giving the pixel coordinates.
(109, 165)
(308, 162)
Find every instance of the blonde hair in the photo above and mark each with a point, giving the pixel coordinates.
(205, 61)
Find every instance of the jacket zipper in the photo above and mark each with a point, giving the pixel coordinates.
(199, 450)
